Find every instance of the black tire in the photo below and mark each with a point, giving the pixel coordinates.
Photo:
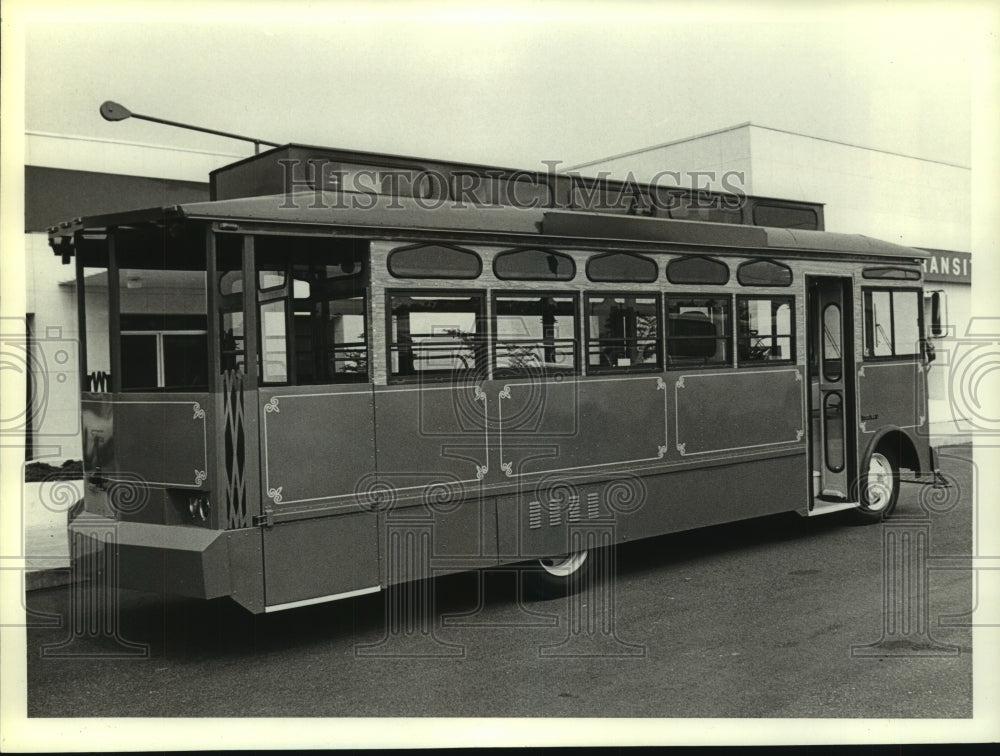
(558, 576)
(878, 487)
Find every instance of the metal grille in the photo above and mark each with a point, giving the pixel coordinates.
(237, 511)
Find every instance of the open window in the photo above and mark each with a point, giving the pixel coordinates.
(434, 333)
(765, 329)
(535, 333)
(311, 295)
(698, 331)
(623, 332)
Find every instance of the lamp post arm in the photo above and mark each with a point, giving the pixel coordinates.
(112, 111)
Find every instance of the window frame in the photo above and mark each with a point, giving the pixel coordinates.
(508, 372)
(866, 292)
(728, 337)
(480, 343)
(790, 299)
(656, 367)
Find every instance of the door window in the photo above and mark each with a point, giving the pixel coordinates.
(832, 346)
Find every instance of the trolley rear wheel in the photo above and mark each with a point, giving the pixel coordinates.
(556, 576)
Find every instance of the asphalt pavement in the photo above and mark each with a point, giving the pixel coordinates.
(775, 617)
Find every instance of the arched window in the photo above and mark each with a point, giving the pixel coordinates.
(898, 274)
(695, 269)
(434, 261)
(619, 267)
(764, 273)
(534, 265)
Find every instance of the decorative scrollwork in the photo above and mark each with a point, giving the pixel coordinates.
(374, 495)
(481, 471)
(478, 395)
(660, 384)
(57, 494)
(680, 447)
(942, 497)
(275, 494)
(680, 382)
(199, 477)
(272, 406)
(127, 493)
(505, 392)
(660, 451)
(199, 413)
(443, 496)
(625, 495)
(507, 468)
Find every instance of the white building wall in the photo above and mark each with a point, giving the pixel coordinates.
(52, 307)
(718, 161)
(123, 158)
(906, 200)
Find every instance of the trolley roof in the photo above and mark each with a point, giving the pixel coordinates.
(383, 216)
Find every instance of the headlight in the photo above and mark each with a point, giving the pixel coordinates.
(199, 508)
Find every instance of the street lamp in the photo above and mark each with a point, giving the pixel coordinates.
(112, 111)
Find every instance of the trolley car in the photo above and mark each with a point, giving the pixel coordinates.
(301, 391)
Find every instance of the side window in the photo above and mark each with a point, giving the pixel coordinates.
(535, 333)
(892, 323)
(311, 301)
(434, 333)
(623, 332)
(765, 329)
(273, 342)
(698, 331)
(782, 216)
